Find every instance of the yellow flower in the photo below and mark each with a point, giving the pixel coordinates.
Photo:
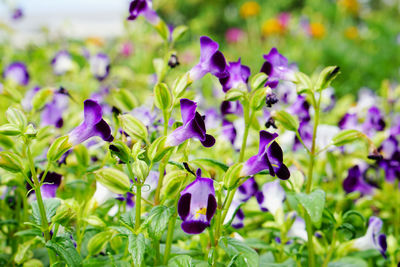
(249, 9)
(317, 30)
(351, 33)
(272, 26)
(96, 41)
(351, 6)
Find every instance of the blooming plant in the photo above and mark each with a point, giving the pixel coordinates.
(203, 163)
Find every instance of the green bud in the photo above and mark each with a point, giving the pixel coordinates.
(95, 221)
(30, 131)
(232, 176)
(137, 150)
(10, 161)
(113, 179)
(65, 212)
(140, 169)
(33, 263)
(162, 30)
(119, 149)
(41, 98)
(157, 149)
(160, 68)
(9, 129)
(58, 148)
(173, 181)
(98, 242)
(162, 96)
(17, 118)
(288, 121)
(134, 127)
(347, 136)
(303, 82)
(179, 32)
(326, 76)
(124, 99)
(116, 243)
(258, 80)
(258, 98)
(234, 94)
(180, 84)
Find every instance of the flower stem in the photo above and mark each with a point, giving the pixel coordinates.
(138, 206)
(160, 183)
(43, 217)
(331, 249)
(247, 121)
(170, 236)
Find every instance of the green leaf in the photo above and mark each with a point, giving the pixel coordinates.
(129, 218)
(313, 203)
(287, 120)
(348, 262)
(233, 247)
(180, 261)
(29, 232)
(137, 248)
(50, 206)
(211, 162)
(347, 136)
(157, 221)
(64, 247)
(179, 32)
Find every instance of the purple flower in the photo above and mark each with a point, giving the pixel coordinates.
(355, 182)
(26, 102)
(53, 111)
(231, 107)
(144, 8)
(301, 108)
(238, 74)
(372, 239)
(17, 72)
(92, 125)
(271, 197)
(373, 121)
(270, 156)
(197, 205)
(50, 184)
(62, 62)
(211, 60)
(298, 229)
(129, 198)
(349, 121)
(100, 66)
(229, 131)
(17, 14)
(390, 162)
(246, 190)
(306, 134)
(193, 126)
(277, 68)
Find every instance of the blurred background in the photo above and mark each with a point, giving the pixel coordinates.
(360, 36)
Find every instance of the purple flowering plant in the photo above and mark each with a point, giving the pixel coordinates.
(151, 167)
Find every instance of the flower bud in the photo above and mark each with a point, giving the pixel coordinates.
(326, 76)
(98, 242)
(41, 98)
(30, 131)
(347, 136)
(287, 120)
(180, 84)
(9, 129)
(172, 183)
(232, 175)
(10, 162)
(162, 96)
(234, 94)
(258, 80)
(134, 127)
(95, 221)
(141, 170)
(115, 180)
(65, 213)
(58, 148)
(119, 149)
(258, 98)
(157, 149)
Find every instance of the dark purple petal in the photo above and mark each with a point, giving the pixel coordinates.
(92, 112)
(229, 131)
(188, 110)
(103, 130)
(211, 207)
(184, 206)
(349, 121)
(355, 182)
(217, 65)
(207, 48)
(265, 139)
(194, 227)
(237, 74)
(209, 141)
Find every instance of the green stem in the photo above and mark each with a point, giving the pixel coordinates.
(138, 205)
(160, 181)
(170, 235)
(331, 249)
(311, 262)
(247, 121)
(165, 116)
(43, 217)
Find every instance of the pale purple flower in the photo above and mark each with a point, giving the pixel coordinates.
(238, 75)
(355, 182)
(143, 8)
(17, 14)
(193, 126)
(52, 113)
(211, 60)
(26, 102)
(277, 68)
(372, 239)
(100, 66)
(271, 197)
(17, 72)
(298, 229)
(50, 184)
(197, 205)
(92, 125)
(269, 157)
(62, 62)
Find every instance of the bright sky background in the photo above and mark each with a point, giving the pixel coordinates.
(74, 18)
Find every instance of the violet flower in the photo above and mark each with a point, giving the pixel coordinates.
(197, 205)
(100, 66)
(355, 182)
(17, 72)
(50, 184)
(301, 108)
(238, 75)
(211, 60)
(277, 68)
(372, 239)
(129, 198)
(26, 102)
(229, 131)
(373, 121)
(271, 197)
(17, 14)
(143, 8)
(270, 156)
(298, 229)
(62, 62)
(53, 111)
(193, 126)
(390, 162)
(231, 107)
(92, 125)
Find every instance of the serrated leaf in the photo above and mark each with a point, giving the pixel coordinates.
(180, 261)
(233, 247)
(348, 262)
(64, 247)
(50, 206)
(137, 248)
(313, 203)
(157, 221)
(129, 218)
